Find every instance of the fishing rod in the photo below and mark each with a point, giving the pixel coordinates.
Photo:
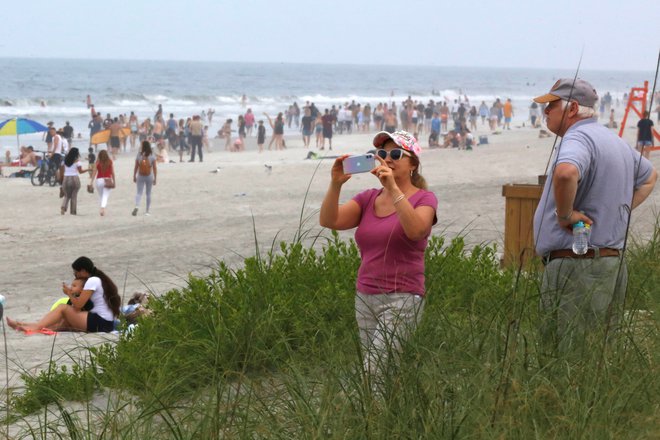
(629, 209)
(514, 322)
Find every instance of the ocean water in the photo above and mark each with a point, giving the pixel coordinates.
(187, 88)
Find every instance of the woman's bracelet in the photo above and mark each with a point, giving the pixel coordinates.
(398, 199)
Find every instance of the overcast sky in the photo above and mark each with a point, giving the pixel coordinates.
(620, 35)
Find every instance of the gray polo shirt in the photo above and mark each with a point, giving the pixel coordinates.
(607, 177)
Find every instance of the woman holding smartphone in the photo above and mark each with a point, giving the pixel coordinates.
(393, 224)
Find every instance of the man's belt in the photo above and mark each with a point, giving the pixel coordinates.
(591, 253)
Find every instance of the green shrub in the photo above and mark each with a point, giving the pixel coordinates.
(55, 385)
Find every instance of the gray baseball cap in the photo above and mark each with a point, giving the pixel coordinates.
(576, 90)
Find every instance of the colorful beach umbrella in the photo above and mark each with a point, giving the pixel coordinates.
(18, 126)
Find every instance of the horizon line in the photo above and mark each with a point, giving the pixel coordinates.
(46, 58)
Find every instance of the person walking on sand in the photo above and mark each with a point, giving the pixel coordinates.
(390, 121)
(328, 121)
(144, 175)
(249, 122)
(318, 129)
(278, 131)
(261, 135)
(98, 287)
(115, 140)
(533, 114)
(134, 127)
(393, 224)
(103, 178)
(597, 179)
(241, 128)
(307, 127)
(196, 132)
(226, 133)
(494, 112)
(645, 134)
(508, 114)
(483, 112)
(71, 170)
(95, 125)
(182, 144)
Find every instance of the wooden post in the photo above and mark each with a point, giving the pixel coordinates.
(521, 203)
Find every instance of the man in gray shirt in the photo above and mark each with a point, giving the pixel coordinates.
(598, 179)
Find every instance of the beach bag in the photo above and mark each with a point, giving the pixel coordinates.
(109, 183)
(144, 166)
(483, 140)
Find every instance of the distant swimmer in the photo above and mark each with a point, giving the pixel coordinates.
(88, 101)
(43, 103)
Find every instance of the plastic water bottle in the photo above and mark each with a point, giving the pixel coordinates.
(581, 233)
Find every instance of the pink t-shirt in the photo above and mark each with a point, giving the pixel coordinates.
(391, 262)
(249, 119)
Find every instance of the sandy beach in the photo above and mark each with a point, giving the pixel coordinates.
(200, 216)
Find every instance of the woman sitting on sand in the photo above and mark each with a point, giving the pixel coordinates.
(393, 225)
(98, 287)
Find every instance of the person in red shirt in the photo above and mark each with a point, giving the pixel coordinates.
(104, 177)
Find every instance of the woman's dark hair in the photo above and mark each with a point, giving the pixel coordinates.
(71, 157)
(146, 148)
(110, 292)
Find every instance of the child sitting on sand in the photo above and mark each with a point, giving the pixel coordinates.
(162, 156)
(74, 291)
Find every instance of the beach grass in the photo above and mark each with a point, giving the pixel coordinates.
(270, 350)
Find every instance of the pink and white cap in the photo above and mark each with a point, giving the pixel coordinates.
(402, 138)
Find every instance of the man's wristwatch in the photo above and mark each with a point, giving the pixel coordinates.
(564, 217)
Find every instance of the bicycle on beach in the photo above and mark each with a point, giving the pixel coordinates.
(44, 172)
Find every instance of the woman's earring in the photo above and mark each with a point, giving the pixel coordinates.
(411, 173)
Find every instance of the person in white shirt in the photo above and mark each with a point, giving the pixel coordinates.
(55, 148)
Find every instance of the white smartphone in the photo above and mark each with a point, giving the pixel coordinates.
(362, 163)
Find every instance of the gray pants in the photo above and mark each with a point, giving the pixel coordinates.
(385, 321)
(579, 296)
(70, 186)
(142, 182)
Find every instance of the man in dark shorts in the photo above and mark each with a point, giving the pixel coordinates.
(48, 137)
(645, 134)
(307, 126)
(196, 132)
(171, 131)
(328, 121)
(115, 140)
(68, 132)
(390, 121)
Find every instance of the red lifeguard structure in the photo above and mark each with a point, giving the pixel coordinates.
(637, 98)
